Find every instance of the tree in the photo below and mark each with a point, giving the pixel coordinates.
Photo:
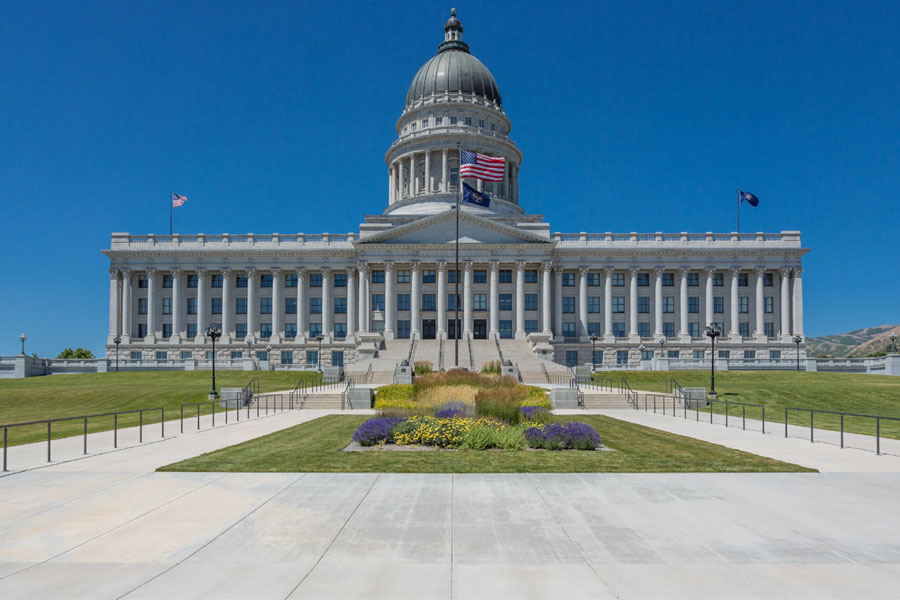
(76, 353)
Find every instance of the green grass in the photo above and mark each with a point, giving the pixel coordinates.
(841, 392)
(316, 447)
(56, 396)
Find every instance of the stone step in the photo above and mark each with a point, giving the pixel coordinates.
(603, 401)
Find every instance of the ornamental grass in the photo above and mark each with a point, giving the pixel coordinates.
(491, 368)
(501, 403)
(423, 367)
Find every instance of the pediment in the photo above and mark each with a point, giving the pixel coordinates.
(441, 229)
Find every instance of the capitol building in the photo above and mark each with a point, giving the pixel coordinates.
(298, 299)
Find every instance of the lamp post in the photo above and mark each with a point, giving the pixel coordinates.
(249, 341)
(712, 332)
(117, 341)
(213, 332)
(22, 338)
(593, 352)
(642, 349)
(662, 345)
(798, 340)
(268, 358)
(319, 353)
(893, 337)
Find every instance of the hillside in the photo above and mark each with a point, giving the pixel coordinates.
(853, 343)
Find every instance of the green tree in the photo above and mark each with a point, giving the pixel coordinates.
(76, 353)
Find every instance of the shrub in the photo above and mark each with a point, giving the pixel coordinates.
(501, 403)
(491, 368)
(480, 437)
(397, 395)
(443, 433)
(423, 367)
(375, 431)
(535, 414)
(538, 397)
(448, 410)
(510, 438)
(563, 436)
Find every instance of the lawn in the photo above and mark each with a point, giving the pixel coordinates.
(841, 392)
(316, 447)
(55, 396)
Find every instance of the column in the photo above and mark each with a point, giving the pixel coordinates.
(547, 269)
(362, 270)
(494, 302)
(327, 305)
(520, 300)
(202, 308)
(393, 185)
(607, 306)
(177, 298)
(557, 303)
(683, 305)
(735, 329)
(710, 303)
(252, 308)
(277, 308)
(428, 171)
(442, 300)
(479, 185)
(152, 308)
(400, 182)
(301, 304)
(582, 304)
(389, 301)
(506, 167)
(445, 173)
(658, 303)
(467, 298)
(786, 302)
(798, 301)
(113, 305)
(351, 304)
(413, 182)
(126, 306)
(227, 307)
(415, 278)
(632, 303)
(760, 294)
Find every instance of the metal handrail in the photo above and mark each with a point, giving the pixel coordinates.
(546, 374)
(471, 358)
(812, 411)
(412, 351)
(441, 354)
(114, 415)
(630, 395)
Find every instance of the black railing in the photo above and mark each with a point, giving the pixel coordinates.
(114, 415)
(812, 412)
(630, 395)
(263, 404)
(604, 384)
(563, 380)
(661, 402)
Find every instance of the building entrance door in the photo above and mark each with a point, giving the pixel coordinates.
(451, 328)
(429, 330)
(480, 331)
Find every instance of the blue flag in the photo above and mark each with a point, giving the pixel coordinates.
(749, 199)
(472, 195)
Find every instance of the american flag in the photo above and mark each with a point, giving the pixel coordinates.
(481, 166)
(178, 200)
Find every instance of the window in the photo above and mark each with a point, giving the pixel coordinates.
(412, 126)
(167, 306)
(568, 279)
(693, 279)
(621, 357)
(240, 330)
(743, 280)
(593, 279)
(593, 304)
(429, 301)
(669, 330)
(167, 281)
(217, 280)
(643, 304)
(287, 357)
(167, 330)
(668, 304)
(290, 280)
(240, 281)
(142, 330)
(265, 306)
(403, 329)
(479, 302)
(315, 280)
(618, 304)
(451, 305)
(481, 123)
(646, 354)
(644, 329)
(743, 304)
(337, 358)
(569, 330)
(315, 306)
(493, 126)
(403, 276)
(378, 276)
(469, 121)
(597, 357)
(192, 306)
(161, 355)
(265, 280)
(340, 330)
(744, 328)
(340, 280)
(237, 354)
(775, 354)
(453, 120)
(191, 330)
(240, 306)
(479, 276)
(290, 330)
(315, 330)
(668, 279)
(312, 357)
(439, 120)
(340, 306)
(290, 306)
(594, 328)
(694, 330)
(769, 304)
(568, 305)
(265, 330)
(693, 304)
(216, 306)
(750, 354)
(505, 276)
(402, 301)
(724, 353)
(454, 176)
(192, 280)
(769, 329)
(531, 276)
(378, 326)
(424, 123)
(571, 358)
(378, 302)
(719, 304)
(643, 279)
(718, 279)
(618, 330)
(135, 355)
(531, 301)
(531, 326)
(429, 276)
(768, 280)
(142, 281)
(142, 306)
(618, 279)
(506, 331)
(505, 301)
(674, 354)
(698, 354)
(451, 276)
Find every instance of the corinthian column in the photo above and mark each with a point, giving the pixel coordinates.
(327, 305)
(351, 304)
(415, 297)
(442, 300)
(710, 272)
(302, 322)
(582, 304)
(494, 304)
(657, 303)
(760, 295)
(202, 308)
(428, 171)
(786, 304)
(520, 300)
(607, 306)
(632, 304)
(467, 299)
(277, 325)
(546, 304)
(798, 301)
(114, 307)
(126, 307)
(389, 301)
(735, 329)
(152, 307)
(227, 308)
(683, 306)
(445, 173)
(557, 304)
(252, 308)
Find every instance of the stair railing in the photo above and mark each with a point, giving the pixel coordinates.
(441, 354)
(412, 351)
(369, 373)
(630, 395)
(471, 359)
(499, 351)
(546, 374)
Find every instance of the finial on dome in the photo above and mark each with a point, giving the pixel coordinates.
(453, 30)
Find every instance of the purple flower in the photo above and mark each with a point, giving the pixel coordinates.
(448, 410)
(375, 430)
(563, 436)
(535, 413)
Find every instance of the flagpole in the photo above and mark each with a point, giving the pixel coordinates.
(456, 275)
(171, 211)
(739, 213)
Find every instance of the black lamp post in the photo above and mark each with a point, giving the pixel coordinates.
(662, 346)
(798, 340)
(213, 332)
(593, 352)
(268, 351)
(117, 341)
(712, 332)
(22, 338)
(319, 353)
(893, 337)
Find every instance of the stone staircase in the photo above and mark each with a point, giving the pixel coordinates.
(483, 351)
(519, 353)
(393, 353)
(428, 350)
(604, 400)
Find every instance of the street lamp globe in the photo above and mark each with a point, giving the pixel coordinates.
(893, 338)
(712, 332)
(22, 338)
(798, 340)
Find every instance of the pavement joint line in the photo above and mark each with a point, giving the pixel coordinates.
(214, 538)
(99, 535)
(568, 536)
(336, 536)
(452, 508)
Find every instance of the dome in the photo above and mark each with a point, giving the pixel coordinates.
(452, 70)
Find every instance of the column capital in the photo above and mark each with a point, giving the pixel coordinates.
(683, 271)
(467, 266)
(414, 266)
(114, 274)
(785, 272)
(798, 271)
(659, 271)
(735, 271)
(363, 268)
(520, 265)
(126, 273)
(276, 272)
(326, 272)
(760, 271)
(201, 272)
(442, 266)
(633, 270)
(495, 266)
(710, 271)
(557, 269)
(608, 271)
(583, 271)
(251, 272)
(301, 271)
(150, 272)
(547, 266)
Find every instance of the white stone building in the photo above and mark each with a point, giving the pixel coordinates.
(636, 294)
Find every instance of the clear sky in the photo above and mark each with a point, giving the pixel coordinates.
(275, 117)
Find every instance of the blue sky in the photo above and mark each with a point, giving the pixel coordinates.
(275, 117)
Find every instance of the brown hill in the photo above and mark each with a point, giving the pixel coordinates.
(853, 343)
